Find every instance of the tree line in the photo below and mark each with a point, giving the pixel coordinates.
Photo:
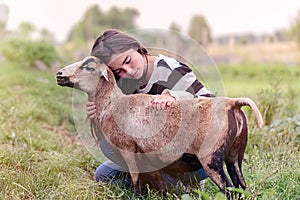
(94, 21)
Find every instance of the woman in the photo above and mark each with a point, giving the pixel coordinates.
(137, 71)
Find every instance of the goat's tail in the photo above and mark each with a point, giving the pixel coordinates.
(248, 102)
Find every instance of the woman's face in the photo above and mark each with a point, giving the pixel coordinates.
(129, 64)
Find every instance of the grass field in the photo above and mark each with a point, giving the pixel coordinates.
(41, 156)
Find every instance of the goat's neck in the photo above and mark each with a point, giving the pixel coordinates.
(106, 92)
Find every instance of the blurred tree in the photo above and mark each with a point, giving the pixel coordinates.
(86, 28)
(175, 27)
(121, 19)
(129, 16)
(3, 17)
(95, 21)
(295, 29)
(47, 35)
(199, 30)
(25, 29)
(281, 35)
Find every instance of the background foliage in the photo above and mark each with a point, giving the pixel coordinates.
(26, 52)
(95, 21)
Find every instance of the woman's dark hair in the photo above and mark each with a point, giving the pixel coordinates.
(115, 42)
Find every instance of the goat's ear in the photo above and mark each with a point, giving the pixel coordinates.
(103, 73)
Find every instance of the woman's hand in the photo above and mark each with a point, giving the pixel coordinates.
(162, 101)
(91, 109)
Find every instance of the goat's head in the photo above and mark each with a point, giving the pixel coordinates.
(83, 75)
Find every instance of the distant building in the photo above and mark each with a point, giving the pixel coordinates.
(3, 15)
(250, 38)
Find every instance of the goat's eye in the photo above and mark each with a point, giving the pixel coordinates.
(89, 68)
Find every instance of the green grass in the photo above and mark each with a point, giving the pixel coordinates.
(41, 156)
(251, 78)
(37, 159)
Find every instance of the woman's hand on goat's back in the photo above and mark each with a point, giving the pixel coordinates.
(162, 101)
(91, 109)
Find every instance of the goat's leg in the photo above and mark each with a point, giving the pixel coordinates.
(214, 170)
(231, 168)
(236, 176)
(136, 184)
(238, 170)
(133, 170)
(243, 138)
(157, 176)
(234, 169)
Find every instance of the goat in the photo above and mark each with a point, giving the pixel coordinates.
(213, 129)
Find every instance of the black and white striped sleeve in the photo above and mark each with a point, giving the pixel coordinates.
(188, 82)
(178, 78)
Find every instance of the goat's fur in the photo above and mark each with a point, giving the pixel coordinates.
(213, 129)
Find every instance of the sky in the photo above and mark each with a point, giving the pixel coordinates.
(223, 17)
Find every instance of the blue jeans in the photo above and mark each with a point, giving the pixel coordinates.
(109, 172)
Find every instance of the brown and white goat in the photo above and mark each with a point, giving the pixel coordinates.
(212, 129)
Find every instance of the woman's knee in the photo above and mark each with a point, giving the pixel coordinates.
(106, 174)
(200, 174)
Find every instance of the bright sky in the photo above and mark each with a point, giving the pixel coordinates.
(224, 17)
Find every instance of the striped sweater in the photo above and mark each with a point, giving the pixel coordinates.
(176, 77)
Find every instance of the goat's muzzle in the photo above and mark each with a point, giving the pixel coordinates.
(63, 80)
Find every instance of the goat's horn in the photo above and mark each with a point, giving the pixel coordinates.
(104, 74)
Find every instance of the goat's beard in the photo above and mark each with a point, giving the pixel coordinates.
(64, 81)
